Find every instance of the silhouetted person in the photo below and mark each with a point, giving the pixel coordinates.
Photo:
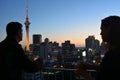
(110, 33)
(12, 56)
(109, 67)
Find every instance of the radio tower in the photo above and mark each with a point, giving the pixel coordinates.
(27, 23)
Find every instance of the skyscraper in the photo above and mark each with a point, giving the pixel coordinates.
(37, 38)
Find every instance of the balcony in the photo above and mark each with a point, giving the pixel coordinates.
(57, 74)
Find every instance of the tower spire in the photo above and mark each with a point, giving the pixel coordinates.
(27, 23)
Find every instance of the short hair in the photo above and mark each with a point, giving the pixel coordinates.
(12, 28)
(113, 22)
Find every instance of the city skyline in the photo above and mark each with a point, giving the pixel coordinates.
(58, 20)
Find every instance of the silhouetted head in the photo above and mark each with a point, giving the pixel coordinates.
(14, 29)
(110, 30)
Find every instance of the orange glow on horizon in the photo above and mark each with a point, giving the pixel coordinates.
(79, 42)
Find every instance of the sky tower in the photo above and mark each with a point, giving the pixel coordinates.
(27, 23)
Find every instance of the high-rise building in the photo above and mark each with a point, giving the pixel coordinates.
(89, 42)
(92, 43)
(37, 38)
(67, 47)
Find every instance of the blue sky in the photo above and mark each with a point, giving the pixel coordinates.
(59, 20)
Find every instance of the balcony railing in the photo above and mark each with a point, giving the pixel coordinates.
(55, 74)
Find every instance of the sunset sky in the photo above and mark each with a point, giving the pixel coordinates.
(58, 20)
